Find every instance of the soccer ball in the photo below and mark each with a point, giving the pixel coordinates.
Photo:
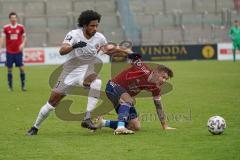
(216, 125)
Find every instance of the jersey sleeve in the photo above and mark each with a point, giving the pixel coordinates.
(23, 31)
(103, 40)
(69, 39)
(156, 92)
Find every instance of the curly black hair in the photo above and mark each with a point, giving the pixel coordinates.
(87, 16)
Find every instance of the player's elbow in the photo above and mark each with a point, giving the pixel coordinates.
(62, 51)
(65, 49)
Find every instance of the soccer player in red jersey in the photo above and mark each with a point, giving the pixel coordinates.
(15, 37)
(127, 84)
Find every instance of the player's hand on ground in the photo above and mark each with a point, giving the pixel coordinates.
(80, 44)
(166, 127)
(169, 128)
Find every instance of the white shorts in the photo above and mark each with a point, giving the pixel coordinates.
(67, 80)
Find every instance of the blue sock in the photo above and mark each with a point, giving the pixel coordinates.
(10, 79)
(123, 113)
(22, 77)
(111, 124)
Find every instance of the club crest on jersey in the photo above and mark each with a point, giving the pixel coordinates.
(68, 38)
(17, 31)
(138, 63)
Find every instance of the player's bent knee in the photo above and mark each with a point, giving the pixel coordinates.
(55, 98)
(134, 125)
(137, 126)
(95, 88)
(90, 79)
(126, 98)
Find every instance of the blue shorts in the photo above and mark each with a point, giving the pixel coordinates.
(114, 92)
(14, 58)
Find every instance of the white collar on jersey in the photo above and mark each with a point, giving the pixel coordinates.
(13, 26)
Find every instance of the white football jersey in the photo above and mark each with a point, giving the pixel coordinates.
(80, 58)
(93, 44)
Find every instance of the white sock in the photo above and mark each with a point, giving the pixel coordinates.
(92, 102)
(93, 96)
(43, 114)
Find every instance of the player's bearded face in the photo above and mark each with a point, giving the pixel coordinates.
(91, 28)
(13, 19)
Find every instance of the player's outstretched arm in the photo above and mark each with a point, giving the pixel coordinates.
(66, 48)
(230, 34)
(161, 114)
(113, 50)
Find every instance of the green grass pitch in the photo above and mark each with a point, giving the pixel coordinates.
(201, 89)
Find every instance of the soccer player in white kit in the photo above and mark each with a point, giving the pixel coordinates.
(81, 45)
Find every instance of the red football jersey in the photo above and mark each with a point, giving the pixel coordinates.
(14, 37)
(135, 79)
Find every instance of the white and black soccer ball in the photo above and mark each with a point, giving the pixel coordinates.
(216, 125)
